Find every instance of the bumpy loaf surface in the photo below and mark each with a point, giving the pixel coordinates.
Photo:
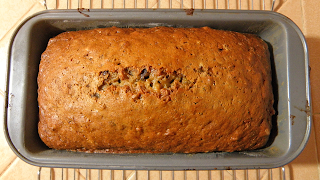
(155, 90)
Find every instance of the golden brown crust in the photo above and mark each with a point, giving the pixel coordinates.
(155, 90)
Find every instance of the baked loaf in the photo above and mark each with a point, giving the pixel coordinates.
(155, 90)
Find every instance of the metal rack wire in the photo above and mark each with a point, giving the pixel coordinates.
(169, 4)
(89, 174)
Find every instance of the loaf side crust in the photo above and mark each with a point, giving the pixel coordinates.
(155, 90)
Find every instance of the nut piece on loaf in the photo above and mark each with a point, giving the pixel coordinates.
(155, 90)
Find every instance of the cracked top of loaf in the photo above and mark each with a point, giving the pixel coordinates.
(155, 90)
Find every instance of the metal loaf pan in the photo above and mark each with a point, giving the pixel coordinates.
(289, 60)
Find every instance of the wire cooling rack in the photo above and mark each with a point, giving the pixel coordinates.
(90, 174)
(168, 4)
(94, 174)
